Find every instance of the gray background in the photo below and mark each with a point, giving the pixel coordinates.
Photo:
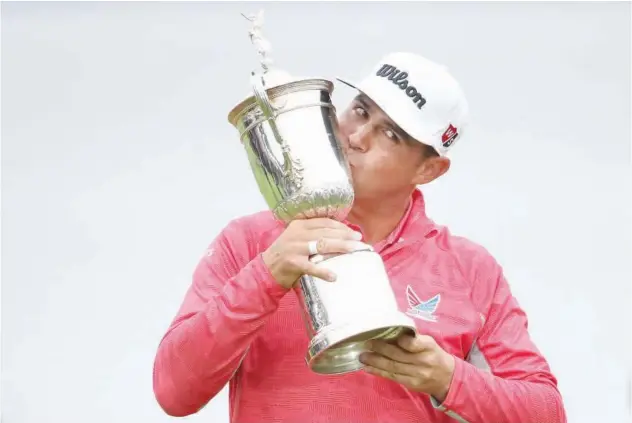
(119, 167)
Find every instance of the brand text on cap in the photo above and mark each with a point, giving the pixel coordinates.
(400, 78)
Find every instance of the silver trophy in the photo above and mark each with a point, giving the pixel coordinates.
(290, 132)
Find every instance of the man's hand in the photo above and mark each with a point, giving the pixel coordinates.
(288, 257)
(417, 363)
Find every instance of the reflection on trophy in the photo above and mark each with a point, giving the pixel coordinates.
(289, 129)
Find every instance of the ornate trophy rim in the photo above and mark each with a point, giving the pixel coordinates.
(277, 91)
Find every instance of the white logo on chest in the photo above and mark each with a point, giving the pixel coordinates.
(419, 309)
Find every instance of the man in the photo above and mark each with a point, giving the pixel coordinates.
(473, 360)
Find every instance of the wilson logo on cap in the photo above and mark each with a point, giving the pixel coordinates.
(400, 78)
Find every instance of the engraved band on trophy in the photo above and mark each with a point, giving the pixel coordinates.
(289, 130)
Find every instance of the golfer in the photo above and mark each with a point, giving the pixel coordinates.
(239, 324)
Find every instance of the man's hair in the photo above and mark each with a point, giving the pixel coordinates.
(429, 151)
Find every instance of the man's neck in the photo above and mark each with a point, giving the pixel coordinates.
(378, 218)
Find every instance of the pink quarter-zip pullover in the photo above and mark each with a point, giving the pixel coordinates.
(238, 326)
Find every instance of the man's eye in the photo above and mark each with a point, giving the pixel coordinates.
(360, 111)
(391, 135)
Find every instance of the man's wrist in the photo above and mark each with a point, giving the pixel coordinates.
(441, 396)
(446, 381)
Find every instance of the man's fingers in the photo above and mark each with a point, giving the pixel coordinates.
(327, 228)
(346, 233)
(324, 247)
(333, 233)
(333, 245)
(318, 272)
(322, 222)
(385, 364)
(417, 343)
(394, 352)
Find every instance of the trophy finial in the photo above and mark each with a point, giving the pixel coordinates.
(261, 44)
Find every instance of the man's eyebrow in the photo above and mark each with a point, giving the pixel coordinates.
(363, 101)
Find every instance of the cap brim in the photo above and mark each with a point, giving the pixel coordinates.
(349, 83)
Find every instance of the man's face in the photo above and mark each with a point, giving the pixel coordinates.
(384, 160)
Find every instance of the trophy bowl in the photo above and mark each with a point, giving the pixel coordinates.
(290, 133)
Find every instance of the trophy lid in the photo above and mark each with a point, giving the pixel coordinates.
(274, 80)
(275, 77)
(272, 75)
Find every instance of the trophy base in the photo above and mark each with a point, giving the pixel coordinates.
(336, 349)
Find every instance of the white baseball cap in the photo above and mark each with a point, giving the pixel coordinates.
(420, 96)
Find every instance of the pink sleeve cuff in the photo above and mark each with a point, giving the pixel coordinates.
(262, 274)
(453, 390)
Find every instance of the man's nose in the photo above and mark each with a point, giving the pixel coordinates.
(360, 139)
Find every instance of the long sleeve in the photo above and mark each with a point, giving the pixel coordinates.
(504, 379)
(223, 310)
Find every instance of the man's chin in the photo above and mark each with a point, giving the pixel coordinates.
(359, 193)
(359, 188)
(354, 184)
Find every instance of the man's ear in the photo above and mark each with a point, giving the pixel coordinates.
(430, 169)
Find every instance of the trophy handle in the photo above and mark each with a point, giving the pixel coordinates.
(292, 167)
